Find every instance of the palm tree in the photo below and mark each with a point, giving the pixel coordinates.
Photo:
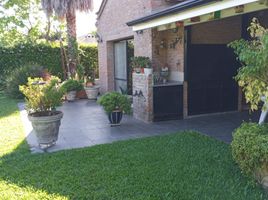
(66, 9)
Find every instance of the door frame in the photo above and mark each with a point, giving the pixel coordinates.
(187, 46)
(128, 70)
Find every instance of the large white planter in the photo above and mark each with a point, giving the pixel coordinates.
(70, 96)
(46, 128)
(148, 71)
(92, 92)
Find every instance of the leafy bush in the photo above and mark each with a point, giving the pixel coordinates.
(140, 62)
(250, 149)
(19, 76)
(71, 85)
(88, 55)
(42, 96)
(45, 55)
(115, 101)
(253, 54)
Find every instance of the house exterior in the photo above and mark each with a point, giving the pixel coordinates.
(189, 38)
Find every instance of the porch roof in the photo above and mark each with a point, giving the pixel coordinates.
(183, 11)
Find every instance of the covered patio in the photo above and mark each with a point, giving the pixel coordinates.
(85, 124)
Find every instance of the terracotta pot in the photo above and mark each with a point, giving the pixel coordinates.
(89, 84)
(142, 70)
(81, 94)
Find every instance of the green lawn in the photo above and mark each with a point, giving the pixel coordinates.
(183, 166)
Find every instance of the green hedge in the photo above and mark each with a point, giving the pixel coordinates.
(43, 54)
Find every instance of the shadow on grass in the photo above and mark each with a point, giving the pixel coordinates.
(180, 166)
(7, 108)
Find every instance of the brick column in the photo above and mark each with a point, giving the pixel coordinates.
(143, 105)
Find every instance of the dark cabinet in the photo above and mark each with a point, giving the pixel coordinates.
(168, 102)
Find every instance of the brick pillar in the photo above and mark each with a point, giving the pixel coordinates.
(143, 105)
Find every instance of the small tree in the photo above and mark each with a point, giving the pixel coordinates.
(66, 9)
(253, 55)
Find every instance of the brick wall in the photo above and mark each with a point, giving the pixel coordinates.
(171, 55)
(143, 105)
(112, 26)
(221, 31)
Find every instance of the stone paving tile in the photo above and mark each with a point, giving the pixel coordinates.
(85, 124)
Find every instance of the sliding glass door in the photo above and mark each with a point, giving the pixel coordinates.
(123, 51)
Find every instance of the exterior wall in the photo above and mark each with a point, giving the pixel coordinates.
(112, 26)
(143, 105)
(143, 44)
(171, 55)
(221, 31)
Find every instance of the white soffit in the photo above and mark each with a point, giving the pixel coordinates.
(193, 12)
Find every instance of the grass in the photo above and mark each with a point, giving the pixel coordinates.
(180, 166)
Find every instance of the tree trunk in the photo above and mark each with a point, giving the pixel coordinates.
(72, 42)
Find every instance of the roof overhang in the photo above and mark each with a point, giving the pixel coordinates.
(196, 11)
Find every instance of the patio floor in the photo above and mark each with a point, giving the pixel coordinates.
(85, 124)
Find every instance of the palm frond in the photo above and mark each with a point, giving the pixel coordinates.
(61, 7)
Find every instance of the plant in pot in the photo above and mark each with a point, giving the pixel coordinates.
(115, 104)
(135, 65)
(92, 90)
(42, 97)
(139, 63)
(148, 70)
(71, 87)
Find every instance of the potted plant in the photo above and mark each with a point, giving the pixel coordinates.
(70, 87)
(92, 90)
(139, 63)
(115, 104)
(42, 97)
(148, 70)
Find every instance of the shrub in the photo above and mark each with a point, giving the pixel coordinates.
(71, 85)
(115, 101)
(89, 60)
(250, 149)
(140, 62)
(47, 55)
(253, 55)
(42, 96)
(19, 76)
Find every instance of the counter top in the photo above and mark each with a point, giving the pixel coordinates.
(170, 83)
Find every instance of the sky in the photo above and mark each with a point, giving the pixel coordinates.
(86, 21)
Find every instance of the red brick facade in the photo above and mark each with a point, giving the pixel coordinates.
(112, 27)
(164, 47)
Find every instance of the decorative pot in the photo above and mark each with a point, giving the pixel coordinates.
(148, 71)
(115, 118)
(70, 96)
(92, 92)
(46, 127)
(81, 94)
(137, 70)
(142, 70)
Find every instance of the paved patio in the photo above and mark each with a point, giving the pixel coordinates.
(85, 124)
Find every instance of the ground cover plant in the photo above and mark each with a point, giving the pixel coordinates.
(179, 166)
